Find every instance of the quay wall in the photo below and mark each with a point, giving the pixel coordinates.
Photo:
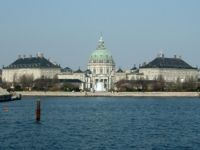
(110, 94)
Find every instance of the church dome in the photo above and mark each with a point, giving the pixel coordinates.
(101, 54)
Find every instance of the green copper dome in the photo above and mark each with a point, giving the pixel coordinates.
(101, 54)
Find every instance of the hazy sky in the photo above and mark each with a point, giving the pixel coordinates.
(68, 30)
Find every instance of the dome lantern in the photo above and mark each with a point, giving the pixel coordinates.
(101, 45)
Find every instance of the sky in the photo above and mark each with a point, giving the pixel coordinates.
(67, 31)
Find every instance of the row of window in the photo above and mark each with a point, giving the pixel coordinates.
(100, 71)
(28, 65)
(101, 61)
(101, 80)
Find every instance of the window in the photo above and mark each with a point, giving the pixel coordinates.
(107, 70)
(101, 70)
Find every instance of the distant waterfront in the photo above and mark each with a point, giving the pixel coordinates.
(101, 123)
(113, 94)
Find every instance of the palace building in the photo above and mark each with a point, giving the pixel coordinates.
(34, 67)
(170, 69)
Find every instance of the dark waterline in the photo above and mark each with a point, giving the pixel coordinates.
(101, 123)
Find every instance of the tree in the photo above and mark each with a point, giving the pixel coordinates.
(159, 83)
(178, 85)
(42, 84)
(70, 87)
(26, 81)
(190, 84)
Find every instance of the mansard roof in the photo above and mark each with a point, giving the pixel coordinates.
(78, 71)
(88, 71)
(67, 69)
(134, 68)
(120, 70)
(32, 62)
(162, 62)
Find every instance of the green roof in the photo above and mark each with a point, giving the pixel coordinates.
(101, 54)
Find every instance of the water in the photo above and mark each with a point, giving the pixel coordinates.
(101, 124)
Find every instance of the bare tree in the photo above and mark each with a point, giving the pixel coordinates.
(190, 84)
(26, 81)
(159, 83)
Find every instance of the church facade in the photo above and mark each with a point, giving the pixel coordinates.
(100, 72)
(102, 67)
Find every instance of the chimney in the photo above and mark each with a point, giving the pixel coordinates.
(19, 56)
(175, 56)
(40, 55)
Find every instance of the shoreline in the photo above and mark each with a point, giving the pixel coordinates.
(110, 94)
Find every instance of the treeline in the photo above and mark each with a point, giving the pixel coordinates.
(189, 85)
(27, 83)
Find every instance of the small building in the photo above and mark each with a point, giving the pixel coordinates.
(72, 84)
(120, 75)
(83, 76)
(133, 74)
(33, 67)
(170, 69)
(67, 69)
(78, 74)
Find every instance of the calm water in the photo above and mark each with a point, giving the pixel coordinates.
(101, 124)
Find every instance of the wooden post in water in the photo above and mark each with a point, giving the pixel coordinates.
(38, 110)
